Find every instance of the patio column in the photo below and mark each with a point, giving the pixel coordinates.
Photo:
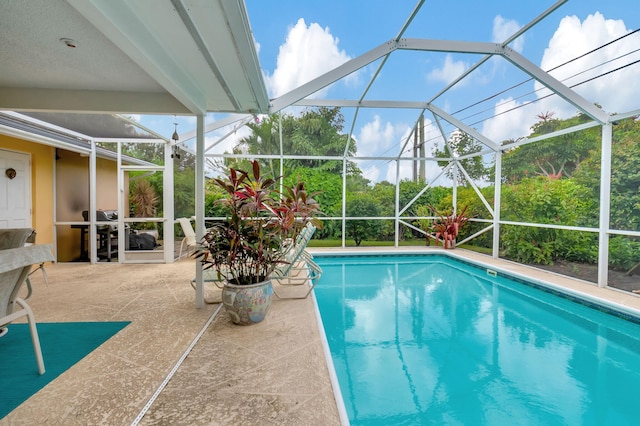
(199, 204)
(92, 234)
(344, 201)
(605, 205)
(167, 203)
(397, 206)
(497, 191)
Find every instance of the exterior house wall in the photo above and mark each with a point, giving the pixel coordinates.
(42, 163)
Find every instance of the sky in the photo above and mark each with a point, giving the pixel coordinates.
(298, 41)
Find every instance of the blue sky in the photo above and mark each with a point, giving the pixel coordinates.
(300, 40)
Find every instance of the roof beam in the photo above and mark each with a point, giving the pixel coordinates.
(206, 54)
(467, 129)
(330, 77)
(449, 46)
(555, 85)
(349, 103)
(98, 101)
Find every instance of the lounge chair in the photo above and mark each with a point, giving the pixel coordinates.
(189, 235)
(15, 265)
(298, 267)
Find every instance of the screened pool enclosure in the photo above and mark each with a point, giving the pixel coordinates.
(562, 189)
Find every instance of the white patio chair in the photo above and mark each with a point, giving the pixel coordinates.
(189, 234)
(15, 265)
(32, 240)
(19, 237)
(299, 267)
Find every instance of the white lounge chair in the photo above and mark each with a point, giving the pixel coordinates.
(189, 234)
(298, 267)
(15, 265)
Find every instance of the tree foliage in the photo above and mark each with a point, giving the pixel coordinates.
(316, 132)
(460, 144)
(362, 205)
(625, 175)
(553, 157)
(544, 200)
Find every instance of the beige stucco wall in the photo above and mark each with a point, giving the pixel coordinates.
(42, 158)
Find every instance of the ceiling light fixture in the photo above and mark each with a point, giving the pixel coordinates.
(69, 42)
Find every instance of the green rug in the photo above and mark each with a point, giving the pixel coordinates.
(63, 344)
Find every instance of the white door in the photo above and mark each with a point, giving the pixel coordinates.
(15, 189)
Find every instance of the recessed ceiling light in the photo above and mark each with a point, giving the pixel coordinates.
(69, 43)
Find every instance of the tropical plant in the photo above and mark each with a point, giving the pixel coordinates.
(446, 227)
(261, 225)
(143, 199)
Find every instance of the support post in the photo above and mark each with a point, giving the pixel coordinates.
(397, 206)
(344, 202)
(415, 155)
(605, 205)
(92, 234)
(168, 215)
(496, 205)
(199, 204)
(423, 174)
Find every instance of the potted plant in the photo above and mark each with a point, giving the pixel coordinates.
(261, 225)
(447, 227)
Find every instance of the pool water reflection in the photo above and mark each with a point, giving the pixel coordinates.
(431, 340)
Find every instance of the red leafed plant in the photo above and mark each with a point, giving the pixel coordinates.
(445, 228)
(251, 242)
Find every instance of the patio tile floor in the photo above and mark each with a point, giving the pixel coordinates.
(269, 373)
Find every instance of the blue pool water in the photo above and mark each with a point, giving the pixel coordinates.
(432, 340)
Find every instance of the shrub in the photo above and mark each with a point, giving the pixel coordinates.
(624, 253)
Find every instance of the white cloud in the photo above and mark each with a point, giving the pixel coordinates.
(371, 172)
(377, 138)
(512, 124)
(450, 71)
(406, 170)
(616, 92)
(505, 28)
(308, 52)
(229, 142)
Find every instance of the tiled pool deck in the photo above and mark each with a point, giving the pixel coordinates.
(272, 373)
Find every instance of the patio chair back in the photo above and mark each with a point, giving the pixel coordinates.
(14, 237)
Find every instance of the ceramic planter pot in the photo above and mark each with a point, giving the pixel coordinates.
(247, 304)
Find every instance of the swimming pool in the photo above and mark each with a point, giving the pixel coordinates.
(427, 339)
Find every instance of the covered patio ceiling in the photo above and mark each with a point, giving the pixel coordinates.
(117, 56)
